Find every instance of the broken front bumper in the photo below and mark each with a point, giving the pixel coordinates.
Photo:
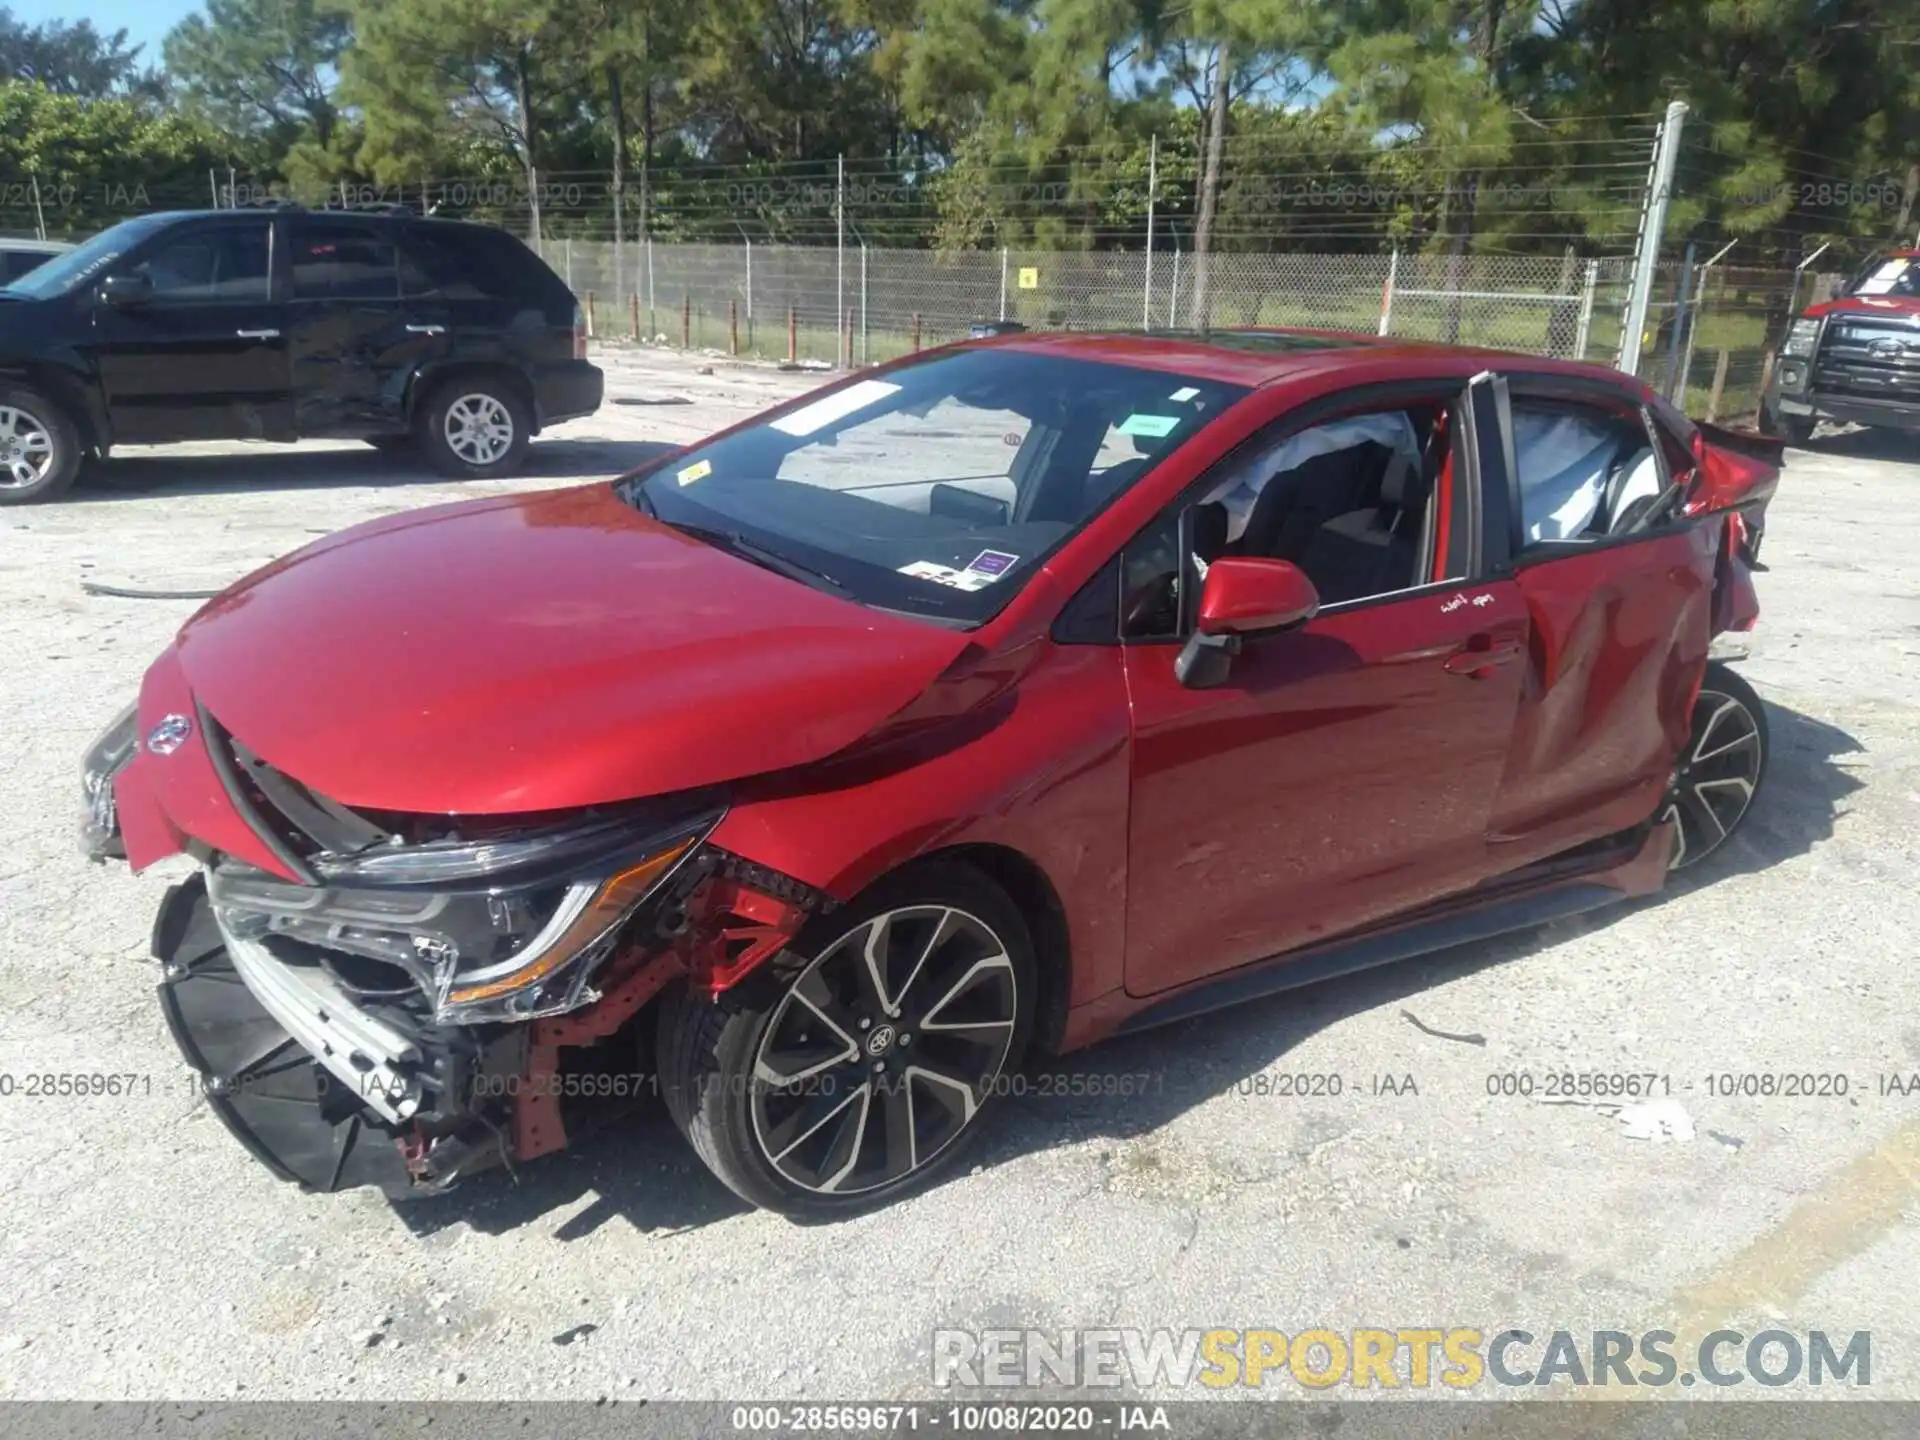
(318, 1090)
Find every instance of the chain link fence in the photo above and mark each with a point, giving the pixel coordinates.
(865, 304)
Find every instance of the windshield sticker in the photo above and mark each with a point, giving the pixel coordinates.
(992, 562)
(947, 575)
(837, 406)
(699, 470)
(1152, 426)
(1184, 394)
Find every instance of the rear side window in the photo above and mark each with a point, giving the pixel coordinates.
(15, 263)
(436, 262)
(335, 260)
(1584, 472)
(458, 261)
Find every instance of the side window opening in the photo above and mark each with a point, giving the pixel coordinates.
(216, 263)
(1360, 503)
(1584, 473)
(1350, 502)
(333, 260)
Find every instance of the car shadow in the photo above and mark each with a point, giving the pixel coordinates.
(1863, 443)
(641, 1170)
(145, 474)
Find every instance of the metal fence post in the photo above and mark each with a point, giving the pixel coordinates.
(1153, 179)
(866, 348)
(1173, 295)
(1003, 282)
(1678, 394)
(1653, 222)
(569, 244)
(1793, 294)
(1682, 303)
(840, 237)
(1586, 311)
(652, 327)
(1386, 294)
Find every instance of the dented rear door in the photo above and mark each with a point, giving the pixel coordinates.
(1617, 643)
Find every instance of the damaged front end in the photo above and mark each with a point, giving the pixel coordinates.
(428, 996)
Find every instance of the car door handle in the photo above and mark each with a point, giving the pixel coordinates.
(1481, 656)
(426, 329)
(258, 334)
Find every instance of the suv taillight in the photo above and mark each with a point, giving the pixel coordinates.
(579, 333)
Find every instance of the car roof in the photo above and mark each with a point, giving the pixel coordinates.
(1258, 356)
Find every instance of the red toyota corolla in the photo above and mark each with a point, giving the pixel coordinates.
(983, 704)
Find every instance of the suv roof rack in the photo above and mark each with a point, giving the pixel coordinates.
(371, 207)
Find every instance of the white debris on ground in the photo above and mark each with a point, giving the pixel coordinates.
(1657, 1120)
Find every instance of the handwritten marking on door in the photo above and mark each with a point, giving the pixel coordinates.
(1480, 601)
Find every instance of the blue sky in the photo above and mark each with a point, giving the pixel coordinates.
(145, 21)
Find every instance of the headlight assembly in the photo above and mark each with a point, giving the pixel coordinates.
(1802, 337)
(109, 754)
(500, 929)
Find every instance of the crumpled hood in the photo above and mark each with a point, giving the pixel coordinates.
(539, 652)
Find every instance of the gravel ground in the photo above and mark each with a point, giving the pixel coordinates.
(146, 1256)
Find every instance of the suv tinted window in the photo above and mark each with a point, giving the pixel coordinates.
(341, 260)
(436, 262)
(15, 263)
(497, 262)
(209, 263)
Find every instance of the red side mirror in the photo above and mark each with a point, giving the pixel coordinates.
(1246, 595)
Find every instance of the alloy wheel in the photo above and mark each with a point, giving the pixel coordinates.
(880, 1053)
(479, 429)
(1716, 778)
(26, 448)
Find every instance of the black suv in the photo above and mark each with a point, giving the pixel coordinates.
(285, 324)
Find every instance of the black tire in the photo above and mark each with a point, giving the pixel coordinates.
(40, 449)
(1794, 429)
(482, 398)
(1718, 776)
(856, 1121)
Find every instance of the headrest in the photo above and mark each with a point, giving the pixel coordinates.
(1209, 525)
(1396, 485)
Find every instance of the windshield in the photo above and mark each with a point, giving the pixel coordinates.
(86, 260)
(1897, 276)
(937, 488)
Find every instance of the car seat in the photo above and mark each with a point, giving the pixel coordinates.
(1371, 550)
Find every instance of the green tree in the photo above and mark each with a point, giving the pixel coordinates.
(265, 69)
(75, 59)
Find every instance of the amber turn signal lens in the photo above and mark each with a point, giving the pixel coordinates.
(619, 895)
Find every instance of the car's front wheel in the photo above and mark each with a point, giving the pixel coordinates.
(40, 450)
(474, 429)
(1721, 769)
(860, 1065)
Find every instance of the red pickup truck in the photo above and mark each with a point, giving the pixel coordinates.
(1856, 357)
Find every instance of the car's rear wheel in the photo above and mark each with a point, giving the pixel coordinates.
(1721, 769)
(474, 428)
(859, 1067)
(39, 447)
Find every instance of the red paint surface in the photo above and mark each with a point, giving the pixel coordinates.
(553, 650)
